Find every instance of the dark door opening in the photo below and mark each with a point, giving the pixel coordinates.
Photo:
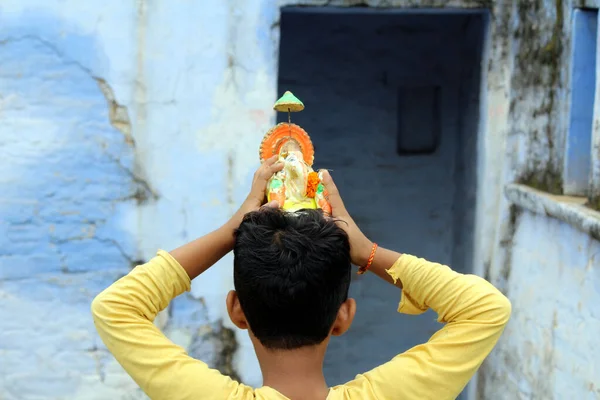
(392, 106)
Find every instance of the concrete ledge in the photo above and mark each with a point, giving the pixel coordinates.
(569, 209)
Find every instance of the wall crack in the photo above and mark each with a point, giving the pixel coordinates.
(118, 114)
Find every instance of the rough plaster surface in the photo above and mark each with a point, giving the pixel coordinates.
(68, 197)
(197, 81)
(555, 285)
(536, 92)
(79, 204)
(549, 350)
(571, 210)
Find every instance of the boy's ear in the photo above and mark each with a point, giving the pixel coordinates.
(344, 317)
(234, 309)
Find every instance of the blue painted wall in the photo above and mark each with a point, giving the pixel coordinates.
(548, 349)
(576, 173)
(67, 194)
(122, 130)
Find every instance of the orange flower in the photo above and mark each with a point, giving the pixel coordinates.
(311, 184)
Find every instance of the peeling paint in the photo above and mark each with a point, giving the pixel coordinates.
(216, 345)
(118, 114)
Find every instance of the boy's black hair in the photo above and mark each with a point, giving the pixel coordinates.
(291, 273)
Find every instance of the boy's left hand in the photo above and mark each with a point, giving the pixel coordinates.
(256, 197)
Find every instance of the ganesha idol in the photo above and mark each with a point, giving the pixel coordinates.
(297, 186)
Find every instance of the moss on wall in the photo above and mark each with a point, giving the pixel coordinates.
(594, 203)
(501, 281)
(548, 180)
(538, 64)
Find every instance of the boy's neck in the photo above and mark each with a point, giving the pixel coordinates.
(297, 374)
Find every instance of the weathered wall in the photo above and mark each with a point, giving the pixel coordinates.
(549, 348)
(67, 208)
(525, 104)
(547, 268)
(125, 127)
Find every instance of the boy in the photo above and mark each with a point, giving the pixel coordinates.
(292, 274)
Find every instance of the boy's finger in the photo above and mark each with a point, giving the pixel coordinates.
(269, 167)
(265, 166)
(271, 160)
(268, 164)
(276, 167)
(263, 174)
(272, 204)
(333, 197)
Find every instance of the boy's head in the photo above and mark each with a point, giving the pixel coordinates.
(291, 276)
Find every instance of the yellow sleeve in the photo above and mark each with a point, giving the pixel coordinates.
(475, 313)
(124, 315)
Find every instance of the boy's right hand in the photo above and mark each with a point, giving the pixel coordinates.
(360, 245)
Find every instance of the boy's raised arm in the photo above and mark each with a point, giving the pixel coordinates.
(124, 313)
(475, 314)
(474, 311)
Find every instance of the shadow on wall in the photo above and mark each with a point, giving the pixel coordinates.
(392, 107)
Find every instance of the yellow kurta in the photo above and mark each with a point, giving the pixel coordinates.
(474, 312)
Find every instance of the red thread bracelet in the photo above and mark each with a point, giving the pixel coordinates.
(364, 269)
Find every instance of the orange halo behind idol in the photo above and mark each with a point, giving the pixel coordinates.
(297, 186)
(283, 133)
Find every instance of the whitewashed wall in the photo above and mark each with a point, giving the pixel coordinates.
(553, 280)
